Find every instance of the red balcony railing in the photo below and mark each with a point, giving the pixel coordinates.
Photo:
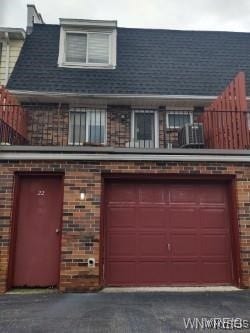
(12, 119)
(226, 129)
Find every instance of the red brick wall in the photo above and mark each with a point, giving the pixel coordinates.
(118, 126)
(81, 221)
(48, 125)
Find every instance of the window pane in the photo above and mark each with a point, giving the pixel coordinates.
(98, 48)
(77, 128)
(76, 46)
(96, 134)
(178, 120)
(144, 126)
(96, 127)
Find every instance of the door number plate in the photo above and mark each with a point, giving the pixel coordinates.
(40, 193)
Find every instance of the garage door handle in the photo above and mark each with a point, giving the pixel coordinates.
(169, 247)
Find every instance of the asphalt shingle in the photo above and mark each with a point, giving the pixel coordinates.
(149, 61)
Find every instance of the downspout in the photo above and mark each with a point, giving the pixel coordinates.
(7, 61)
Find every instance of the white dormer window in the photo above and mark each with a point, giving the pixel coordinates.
(87, 48)
(86, 45)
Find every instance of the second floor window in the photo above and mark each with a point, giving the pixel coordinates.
(87, 126)
(145, 131)
(90, 48)
(177, 119)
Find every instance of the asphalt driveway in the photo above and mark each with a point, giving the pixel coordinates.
(119, 312)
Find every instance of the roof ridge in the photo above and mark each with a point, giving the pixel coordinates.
(159, 29)
(184, 30)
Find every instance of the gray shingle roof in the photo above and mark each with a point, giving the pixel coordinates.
(166, 62)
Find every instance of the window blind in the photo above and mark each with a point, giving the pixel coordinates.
(77, 128)
(98, 48)
(76, 47)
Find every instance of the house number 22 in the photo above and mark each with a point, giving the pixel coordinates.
(41, 193)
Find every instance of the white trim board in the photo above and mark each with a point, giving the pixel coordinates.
(13, 156)
(88, 23)
(136, 96)
(31, 93)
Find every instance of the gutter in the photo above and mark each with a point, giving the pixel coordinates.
(115, 96)
(115, 150)
(120, 157)
(14, 32)
(146, 97)
(14, 153)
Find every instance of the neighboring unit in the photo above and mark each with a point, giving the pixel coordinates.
(11, 41)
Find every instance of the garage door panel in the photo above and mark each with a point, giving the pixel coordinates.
(151, 217)
(121, 217)
(185, 272)
(183, 218)
(119, 192)
(184, 244)
(215, 245)
(151, 193)
(121, 244)
(212, 194)
(152, 244)
(182, 194)
(152, 272)
(214, 218)
(216, 272)
(121, 272)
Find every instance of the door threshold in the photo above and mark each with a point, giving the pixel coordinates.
(169, 289)
(31, 291)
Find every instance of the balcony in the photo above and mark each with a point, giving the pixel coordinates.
(122, 127)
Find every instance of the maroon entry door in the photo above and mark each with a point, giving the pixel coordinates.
(37, 234)
(160, 233)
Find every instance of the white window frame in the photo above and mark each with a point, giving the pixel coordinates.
(175, 112)
(112, 49)
(1, 50)
(87, 112)
(156, 125)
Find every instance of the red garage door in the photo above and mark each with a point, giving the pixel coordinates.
(167, 234)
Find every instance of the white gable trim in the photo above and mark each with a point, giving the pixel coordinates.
(88, 23)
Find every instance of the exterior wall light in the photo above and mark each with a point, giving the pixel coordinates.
(82, 195)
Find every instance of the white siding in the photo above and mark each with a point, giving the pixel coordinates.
(3, 63)
(7, 63)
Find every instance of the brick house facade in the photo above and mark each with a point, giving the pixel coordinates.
(48, 125)
(81, 230)
(121, 167)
